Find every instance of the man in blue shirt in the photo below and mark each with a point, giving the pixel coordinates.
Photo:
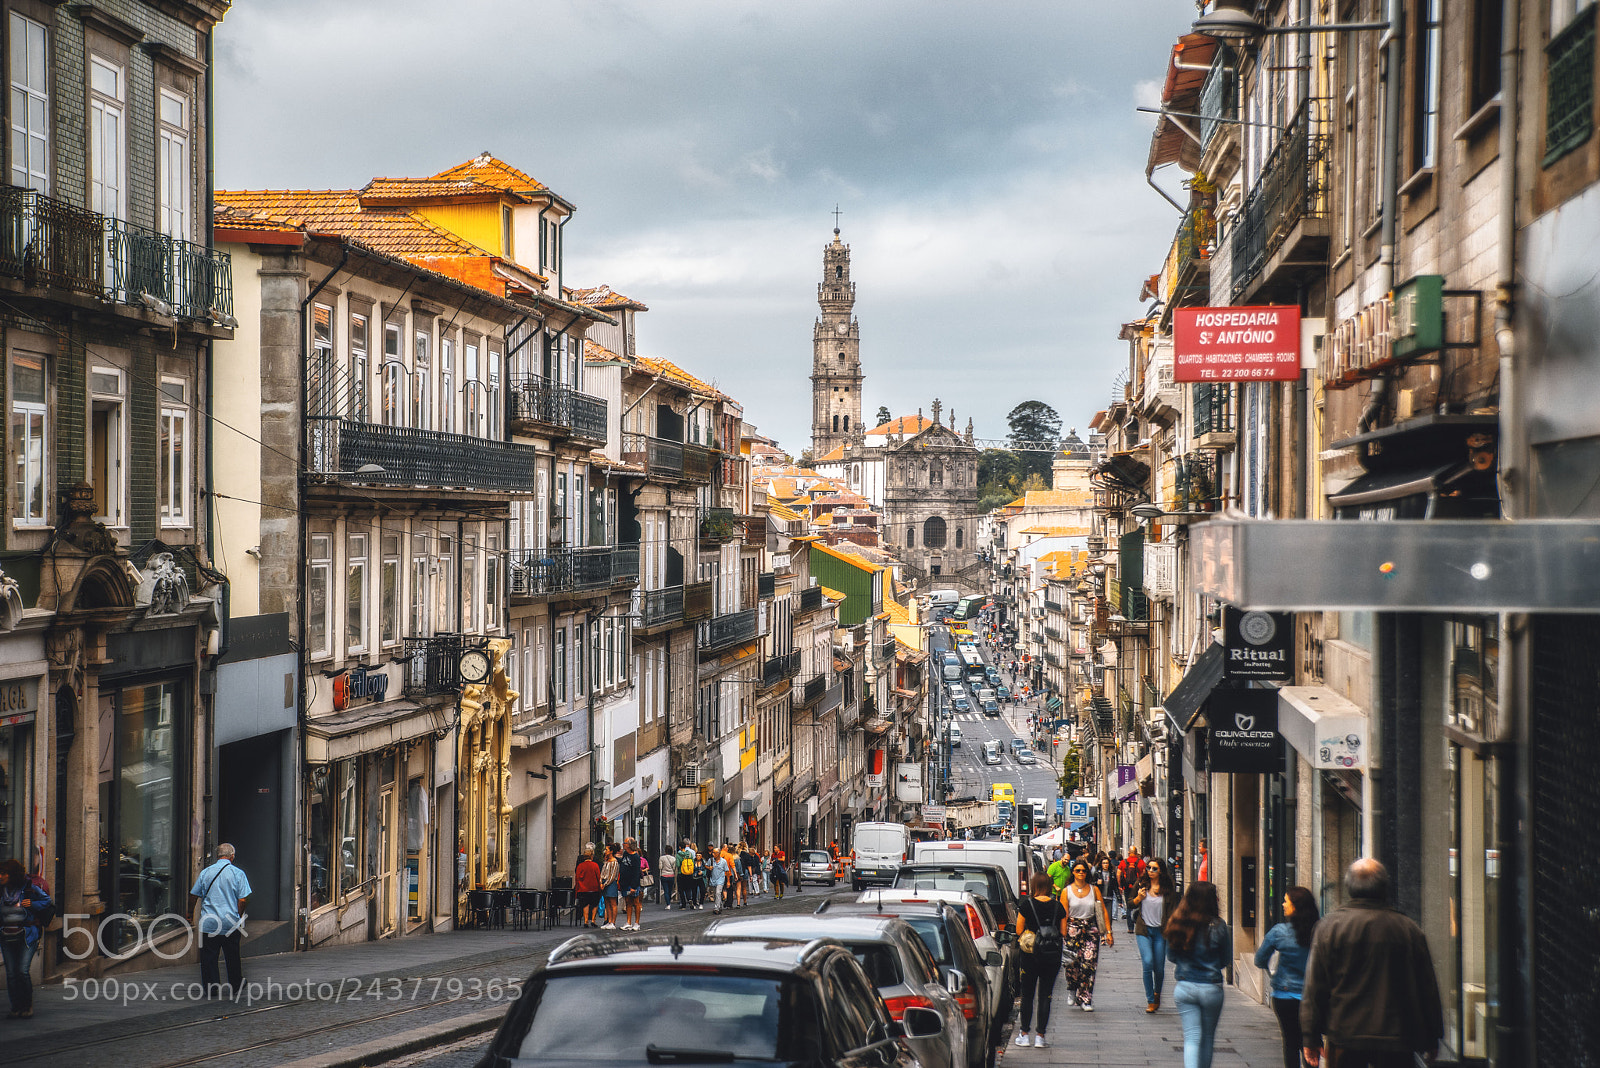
(220, 889)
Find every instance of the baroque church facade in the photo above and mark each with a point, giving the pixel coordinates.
(919, 473)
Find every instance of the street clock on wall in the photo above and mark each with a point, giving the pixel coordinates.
(473, 667)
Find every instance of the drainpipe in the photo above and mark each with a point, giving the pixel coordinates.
(1394, 42)
(208, 829)
(1514, 918)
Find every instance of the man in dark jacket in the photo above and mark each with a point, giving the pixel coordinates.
(1370, 986)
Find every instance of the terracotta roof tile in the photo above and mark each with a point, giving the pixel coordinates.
(673, 373)
(488, 170)
(339, 211)
(411, 190)
(905, 424)
(604, 297)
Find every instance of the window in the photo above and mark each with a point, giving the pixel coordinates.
(357, 409)
(933, 532)
(496, 406)
(172, 156)
(173, 476)
(505, 233)
(1483, 81)
(1425, 88)
(960, 536)
(394, 376)
(471, 399)
(836, 424)
(355, 595)
(561, 666)
(319, 595)
(107, 189)
(847, 419)
(491, 584)
(470, 602)
(911, 536)
(30, 105)
(319, 384)
(29, 434)
(541, 689)
(421, 385)
(935, 473)
(595, 655)
(417, 622)
(444, 567)
(389, 600)
(1569, 100)
(107, 445)
(447, 385)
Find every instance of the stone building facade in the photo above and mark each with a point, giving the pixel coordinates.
(930, 503)
(836, 355)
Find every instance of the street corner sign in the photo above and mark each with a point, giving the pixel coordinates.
(1260, 343)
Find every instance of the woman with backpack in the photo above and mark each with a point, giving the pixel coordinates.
(1291, 941)
(25, 907)
(1088, 924)
(1041, 933)
(1201, 946)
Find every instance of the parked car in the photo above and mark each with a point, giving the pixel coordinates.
(1007, 856)
(991, 752)
(894, 959)
(954, 871)
(659, 1001)
(955, 736)
(944, 931)
(997, 946)
(1025, 756)
(816, 866)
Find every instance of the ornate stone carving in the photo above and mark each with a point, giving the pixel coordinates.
(78, 527)
(169, 586)
(10, 602)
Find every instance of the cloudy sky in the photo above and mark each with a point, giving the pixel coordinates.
(987, 158)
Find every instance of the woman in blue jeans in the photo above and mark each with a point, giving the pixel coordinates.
(24, 905)
(1291, 941)
(1153, 905)
(1201, 946)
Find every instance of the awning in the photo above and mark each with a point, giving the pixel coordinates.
(1427, 492)
(1325, 727)
(1081, 824)
(368, 728)
(1195, 686)
(1052, 703)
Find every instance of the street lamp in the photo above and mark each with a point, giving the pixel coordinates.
(1147, 510)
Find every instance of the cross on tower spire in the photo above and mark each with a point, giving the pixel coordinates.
(836, 214)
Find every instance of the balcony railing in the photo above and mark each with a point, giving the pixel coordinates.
(780, 667)
(550, 571)
(1217, 98)
(49, 242)
(1293, 186)
(718, 524)
(755, 530)
(1213, 409)
(1052, 606)
(661, 458)
(537, 400)
(810, 599)
(1053, 633)
(431, 663)
(696, 601)
(1195, 483)
(814, 688)
(698, 462)
(406, 456)
(1197, 234)
(1569, 93)
(658, 608)
(766, 586)
(725, 631)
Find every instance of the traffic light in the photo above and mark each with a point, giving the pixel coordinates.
(1025, 820)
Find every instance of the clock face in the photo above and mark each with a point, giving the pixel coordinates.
(473, 666)
(842, 328)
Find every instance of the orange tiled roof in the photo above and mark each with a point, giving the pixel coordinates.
(897, 613)
(594, 352)
(836, 453)
(339, 211)
(488, 170)
(906, 424)
(410, 190)
(604, 297)
(788, 515)
(1056, 498)
(673, 373)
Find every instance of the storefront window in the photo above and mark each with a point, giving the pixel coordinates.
(319, 831)
(16, 790)
(345, 777)
(139, 784)
(332, 819)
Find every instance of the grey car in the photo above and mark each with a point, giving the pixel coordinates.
(816, 866)
(894, 959)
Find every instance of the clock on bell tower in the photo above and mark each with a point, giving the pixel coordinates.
(836, 355)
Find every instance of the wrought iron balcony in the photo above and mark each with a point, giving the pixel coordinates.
(407, 457)
(1052, 606)
(561, 408)
(1292, 188)
(699, 462)
(1051, 658)
(766, 586)
(1053, 633)
(552, 571)
(661, 458)
(1197, 234)
(725, 631)
(810, 599)
(780, 667)
(755, 530)
(1569, 104)
(1213, 415)
(48, 242)
(887, 649)
(718, 525)
(814, 688)
(1217, 98)
(662, 607)
(432, 663)
(696, 601)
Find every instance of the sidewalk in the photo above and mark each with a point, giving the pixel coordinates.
(1119, 1034)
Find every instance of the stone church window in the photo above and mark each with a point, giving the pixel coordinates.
(933, 533)
(838, 272)
(836, 424)
(911, 537)
(847, 418)
(841, 357)
(855, 473)
(935, 473)
(959, 533)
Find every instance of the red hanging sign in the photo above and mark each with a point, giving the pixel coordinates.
(1250, 344)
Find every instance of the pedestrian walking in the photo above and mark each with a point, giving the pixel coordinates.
(719, 878)
(780, 873)
(1087, 926)
(586, 884)
(220, 890)
(1155, 902)
(702, 873)
(1370, 993)
(1201, 945)
(630, 877)
(609, 873)
(684, 859)
(25, 910)
(1129, 874)
(667, 877)
(1291, 942)
(1104, 878)
(1041, 934)
(1060, 872)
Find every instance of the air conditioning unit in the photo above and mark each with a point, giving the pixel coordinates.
(690, 777)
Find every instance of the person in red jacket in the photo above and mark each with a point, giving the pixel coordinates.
(586, 882)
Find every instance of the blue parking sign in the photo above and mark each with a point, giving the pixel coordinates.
(1077, 810)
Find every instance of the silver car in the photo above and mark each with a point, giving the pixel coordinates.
(895, 960)
(816, 866)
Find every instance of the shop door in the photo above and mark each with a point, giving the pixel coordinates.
(416, 860)
(386, 884)
(250, 814)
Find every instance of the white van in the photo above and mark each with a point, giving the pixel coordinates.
(879, 849)
(942, 598)
(1009, 857)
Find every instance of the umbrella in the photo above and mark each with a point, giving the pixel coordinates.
(1051, 838)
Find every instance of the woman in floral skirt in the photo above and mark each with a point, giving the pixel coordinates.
(1087, 925)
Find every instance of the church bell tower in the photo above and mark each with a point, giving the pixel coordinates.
(836, 355)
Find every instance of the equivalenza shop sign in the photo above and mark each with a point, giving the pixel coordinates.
(1243, 738)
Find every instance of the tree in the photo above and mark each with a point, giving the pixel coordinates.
(806, 458)
(1035, 421)
(883, 414)
(999, 478)
(1071, 772)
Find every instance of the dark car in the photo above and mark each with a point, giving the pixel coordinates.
(943, 930)
(987, 881)
(658, 1001)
